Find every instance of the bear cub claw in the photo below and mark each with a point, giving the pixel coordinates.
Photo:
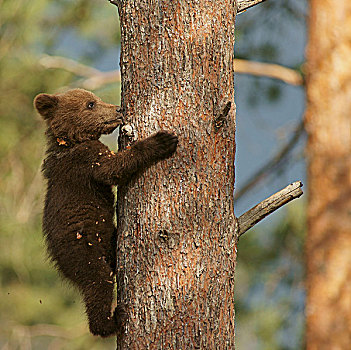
(120, 316)
(166, 143)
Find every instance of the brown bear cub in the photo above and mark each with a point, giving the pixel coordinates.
(78, 221)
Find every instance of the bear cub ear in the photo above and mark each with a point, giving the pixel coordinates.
(45, 104)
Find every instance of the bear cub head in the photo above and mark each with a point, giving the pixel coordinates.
(77, 115)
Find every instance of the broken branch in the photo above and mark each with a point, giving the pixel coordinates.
(113, 2)
(268, 206)
(243, 5)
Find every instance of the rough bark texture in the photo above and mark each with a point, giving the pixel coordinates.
(328, 122)
(176, 243)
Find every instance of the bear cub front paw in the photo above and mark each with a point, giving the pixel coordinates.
(165, 143)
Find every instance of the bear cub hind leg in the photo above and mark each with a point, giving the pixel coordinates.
(98, 298)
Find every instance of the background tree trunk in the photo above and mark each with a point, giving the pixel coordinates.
(176, 248)
(328, 122)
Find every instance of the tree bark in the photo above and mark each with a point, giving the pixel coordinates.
(176, 224)
(328, 123)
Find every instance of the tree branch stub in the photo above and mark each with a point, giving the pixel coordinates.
(268, 206)
(243, 5)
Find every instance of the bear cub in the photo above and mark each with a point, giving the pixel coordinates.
(78, 218)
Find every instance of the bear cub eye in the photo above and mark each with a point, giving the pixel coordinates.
(90, 105)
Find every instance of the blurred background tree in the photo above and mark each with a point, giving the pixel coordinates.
(328, 124)
(37, 310)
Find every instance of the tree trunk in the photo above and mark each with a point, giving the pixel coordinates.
(176, 224)
(328, 122)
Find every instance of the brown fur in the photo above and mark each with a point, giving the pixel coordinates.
(79, 207)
